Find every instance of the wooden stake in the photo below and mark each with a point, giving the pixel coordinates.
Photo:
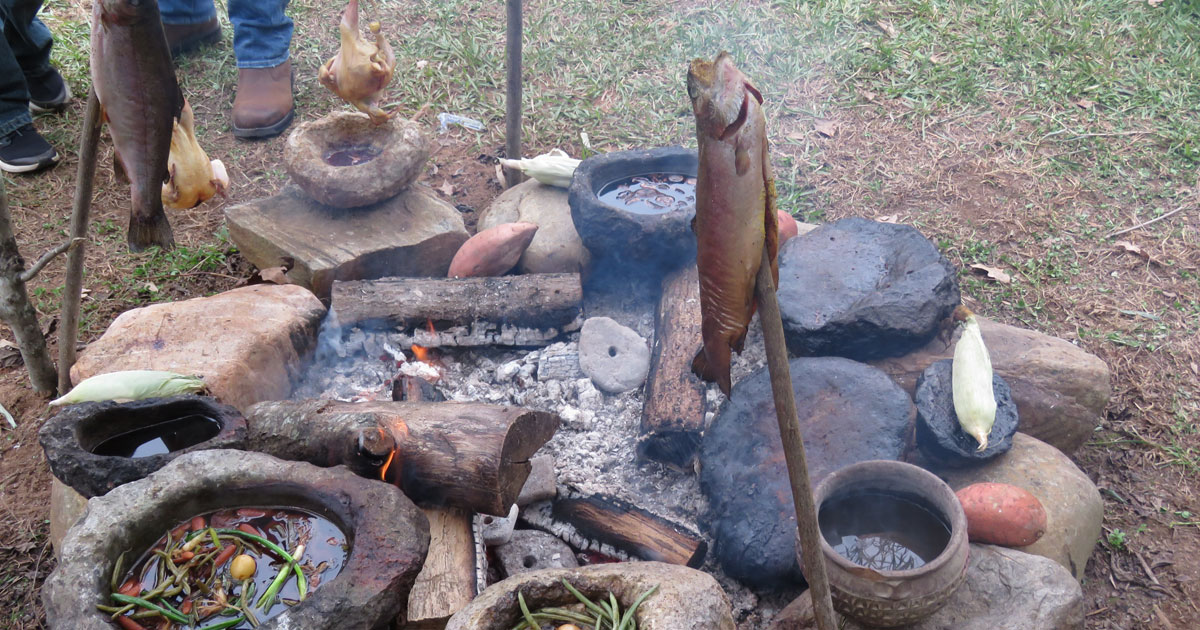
(793, 446)
(68, 327)
(512, 114)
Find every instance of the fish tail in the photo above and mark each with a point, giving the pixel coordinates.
(710, 371)
(147, 231)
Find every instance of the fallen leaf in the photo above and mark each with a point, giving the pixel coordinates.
(1130, 248)
(151, 287)
(1154, 3)
(868, 95)
(795, 135)
(825, 127)
(10, 354)
(891, 218)
(1195, 368)
(886, 27)
(275, 275)
(1084, 103)
(993, 273)
(1170, 294)
(938, 58)
(447, 188)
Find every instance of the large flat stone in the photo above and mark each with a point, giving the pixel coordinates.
(411, 234)
(1005, 590)
(1061, 390)
(249, 344)
(848, 411)
(1074, 510)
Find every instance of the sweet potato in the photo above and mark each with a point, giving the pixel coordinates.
(1002, 514)
(787, 226)
(493, 251)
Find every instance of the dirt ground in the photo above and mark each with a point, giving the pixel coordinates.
(1146, 571)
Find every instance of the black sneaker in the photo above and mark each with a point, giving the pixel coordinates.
(25, 151)
(48, 93)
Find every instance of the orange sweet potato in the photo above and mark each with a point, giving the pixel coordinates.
(493, 251)
(787, 226)
(1002, 514)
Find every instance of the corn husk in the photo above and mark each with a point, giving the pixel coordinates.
(971, 382)
(130, 385)
(555, 168)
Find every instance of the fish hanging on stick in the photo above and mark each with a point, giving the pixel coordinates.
(735, 209)
(140, 100)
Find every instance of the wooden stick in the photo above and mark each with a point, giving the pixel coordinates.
(17, 312)
(68, 328)
(632, 529)
(512, 114)
(1145, 223)
(447, 580)
(793, 446)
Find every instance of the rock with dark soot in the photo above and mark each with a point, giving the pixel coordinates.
(941, 438)
(849, 412)
(863, 290)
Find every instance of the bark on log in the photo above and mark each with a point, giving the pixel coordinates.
(447, 581)
(17, 312)
(467, 455)
(673, 411)
(632, 529)
(544, 300)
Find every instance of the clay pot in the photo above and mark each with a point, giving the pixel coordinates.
(895, 598)
(70, 437)
(345, 161)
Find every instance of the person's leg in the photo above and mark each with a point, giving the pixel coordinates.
(262, 34)
(189, 24)
(21, 148)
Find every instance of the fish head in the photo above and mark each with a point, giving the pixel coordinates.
(719, 94)
(125, 12)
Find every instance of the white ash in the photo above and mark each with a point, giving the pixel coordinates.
(595, 446)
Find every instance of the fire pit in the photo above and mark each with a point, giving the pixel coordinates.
(387, 535)
(636, 207)
(95, 447)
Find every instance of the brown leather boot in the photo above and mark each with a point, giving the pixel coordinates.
(182, 38)
(263, 105)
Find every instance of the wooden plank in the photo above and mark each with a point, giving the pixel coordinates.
(447, 581)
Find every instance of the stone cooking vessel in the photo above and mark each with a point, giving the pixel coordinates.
(399, 146)
(69, 437)
(895, 598)
(686, 599)
(387, 534)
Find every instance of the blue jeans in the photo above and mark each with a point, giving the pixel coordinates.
(261, 30)
(24, 53)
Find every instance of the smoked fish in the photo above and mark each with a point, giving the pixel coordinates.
(135, 82)
(735, 209)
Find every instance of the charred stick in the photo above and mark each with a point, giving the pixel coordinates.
(632, 529)
(793, 446)
(68, 329)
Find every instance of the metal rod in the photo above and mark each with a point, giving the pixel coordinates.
(512, 114)
(793, 446)
(68, 329)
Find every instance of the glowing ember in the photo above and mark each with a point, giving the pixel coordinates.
(383, 470)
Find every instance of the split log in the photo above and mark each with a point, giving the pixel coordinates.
(539, 301)
(467, 455)
(448, 579)
(673, 412)
(632, 529)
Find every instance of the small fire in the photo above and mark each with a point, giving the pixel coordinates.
(421, 352)
(386, 464)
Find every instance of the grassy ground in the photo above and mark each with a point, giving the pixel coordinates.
(1019, 136)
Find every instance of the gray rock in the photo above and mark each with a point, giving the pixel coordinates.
(1005, 590)
(849, 412)
(1074, 510)
(939, 435)
(497, 530)
(411, 234)
(531, 550)
(1061, 390)
(390, 536)
(686, 599)
(540, 485)
(864, 290)
(615, 357)
(556, 248)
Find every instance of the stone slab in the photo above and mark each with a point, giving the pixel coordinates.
(411, 234)
(248, 344)
(1060, 389)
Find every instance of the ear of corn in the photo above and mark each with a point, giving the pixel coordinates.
(553, 169)
(130, 385)
(971, 380)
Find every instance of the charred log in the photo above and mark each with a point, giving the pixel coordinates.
(632, 529)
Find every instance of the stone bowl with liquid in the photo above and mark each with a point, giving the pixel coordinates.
(95, 447)
(386, 537)
(894, 538)
(635, 208)
(345, 161)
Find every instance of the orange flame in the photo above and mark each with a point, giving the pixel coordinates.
(421, 352)
(384, 469)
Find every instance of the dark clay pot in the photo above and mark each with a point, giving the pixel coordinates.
(895, 598)
(70, 437)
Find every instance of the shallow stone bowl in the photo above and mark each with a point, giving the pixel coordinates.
(345, 161)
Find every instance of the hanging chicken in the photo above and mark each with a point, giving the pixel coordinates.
(193, 179)
(360, 70)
